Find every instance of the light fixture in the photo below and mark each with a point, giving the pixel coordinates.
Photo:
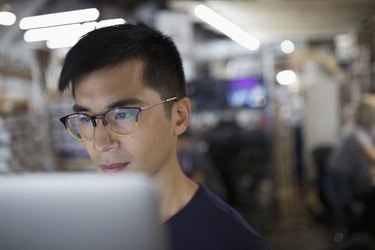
(63, 29)
(61, 43)
(7, 18)
(58, 39)
(287, 46)
(226, 27)
(286, 77)
(60, 18)
(56, 32)
(66, 32)
(110, 22)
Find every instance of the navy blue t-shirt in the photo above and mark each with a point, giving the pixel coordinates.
(206, 223)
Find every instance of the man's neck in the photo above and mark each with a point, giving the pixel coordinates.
(175, 192)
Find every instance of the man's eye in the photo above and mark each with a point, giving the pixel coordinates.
(84, 120)
(122, 115)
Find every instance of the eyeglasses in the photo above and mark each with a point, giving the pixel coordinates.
(119, 121)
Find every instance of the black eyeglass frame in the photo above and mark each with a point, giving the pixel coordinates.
(135, 111)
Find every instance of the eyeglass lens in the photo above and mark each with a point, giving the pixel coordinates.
(118, 121)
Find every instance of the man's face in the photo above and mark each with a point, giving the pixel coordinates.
(151, 146)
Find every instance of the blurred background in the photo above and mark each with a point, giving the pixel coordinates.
(272, 84)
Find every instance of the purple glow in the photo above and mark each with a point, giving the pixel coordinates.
(244, 83)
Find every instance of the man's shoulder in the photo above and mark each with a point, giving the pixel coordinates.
(220, 216)
(212, 222)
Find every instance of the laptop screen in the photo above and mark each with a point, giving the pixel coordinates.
(85, 211)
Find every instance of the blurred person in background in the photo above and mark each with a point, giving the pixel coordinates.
(130, 108)
(351, 167)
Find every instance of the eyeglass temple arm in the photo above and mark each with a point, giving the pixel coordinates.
(153, 105)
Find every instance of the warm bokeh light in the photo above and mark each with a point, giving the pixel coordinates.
(61, 18)
(7, 18)
(226, 27)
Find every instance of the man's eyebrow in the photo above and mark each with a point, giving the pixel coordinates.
(79, 108)
(130, 102)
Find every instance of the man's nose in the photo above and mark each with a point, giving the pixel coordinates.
(103, 139)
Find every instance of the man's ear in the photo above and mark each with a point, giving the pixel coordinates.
(182, 113)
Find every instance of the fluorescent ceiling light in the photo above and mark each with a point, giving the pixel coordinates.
(61, 18)
(43, 34)
(226, 27)
(67, 35)
(7, 18)
(110, 22)
(67, 32)
(63, 43)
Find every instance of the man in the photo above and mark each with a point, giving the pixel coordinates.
(130, 107)
(350, 167)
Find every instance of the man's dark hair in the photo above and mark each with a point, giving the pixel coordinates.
(109, 46)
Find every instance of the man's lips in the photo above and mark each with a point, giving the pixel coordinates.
(111, 168)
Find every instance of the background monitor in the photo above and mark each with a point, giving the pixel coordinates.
(246, 92)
